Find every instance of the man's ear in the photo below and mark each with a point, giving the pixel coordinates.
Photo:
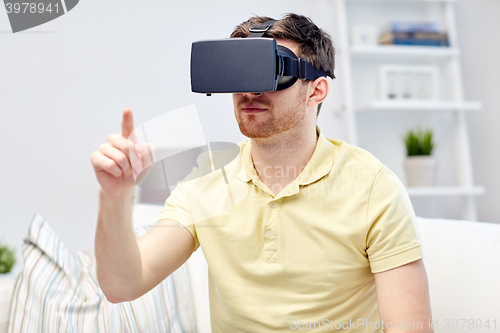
(318, 91)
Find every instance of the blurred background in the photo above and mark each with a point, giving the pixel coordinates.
(64, 85)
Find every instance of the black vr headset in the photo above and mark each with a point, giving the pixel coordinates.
(247, 65)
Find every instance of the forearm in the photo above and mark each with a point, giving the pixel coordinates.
(119, 267)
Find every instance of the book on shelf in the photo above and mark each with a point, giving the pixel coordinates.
(414, 33)
(414, 38)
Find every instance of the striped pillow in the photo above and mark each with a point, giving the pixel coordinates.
(58, 292)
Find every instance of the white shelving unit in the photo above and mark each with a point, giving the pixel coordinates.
(419, 106)
(354, 104)
(406, 51)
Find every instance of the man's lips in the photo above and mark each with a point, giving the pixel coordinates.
(253, 109)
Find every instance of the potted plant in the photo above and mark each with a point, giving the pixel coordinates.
(7, 284)
(420, 165)
(7, 259)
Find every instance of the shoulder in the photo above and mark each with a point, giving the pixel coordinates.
(349, 158)
(350, 153)
(363, 167)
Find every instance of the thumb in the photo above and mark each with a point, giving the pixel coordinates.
(127, 123)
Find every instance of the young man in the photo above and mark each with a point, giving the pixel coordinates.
(304, 232)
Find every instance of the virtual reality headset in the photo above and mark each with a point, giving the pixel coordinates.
(247, 65)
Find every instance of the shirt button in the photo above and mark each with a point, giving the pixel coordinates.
(273, 204)
(269, 233)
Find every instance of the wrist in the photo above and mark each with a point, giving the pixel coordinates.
(121, 196)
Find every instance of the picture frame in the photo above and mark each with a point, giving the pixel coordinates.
(364, 35)
(408, 82)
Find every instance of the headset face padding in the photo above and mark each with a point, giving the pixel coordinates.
(286, 81)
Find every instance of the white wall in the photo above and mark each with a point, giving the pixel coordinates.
(478, 30)
(63, 86)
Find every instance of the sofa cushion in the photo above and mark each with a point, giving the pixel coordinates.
(463, 267)
(57, 291)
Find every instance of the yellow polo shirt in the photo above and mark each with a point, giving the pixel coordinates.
(303, 259)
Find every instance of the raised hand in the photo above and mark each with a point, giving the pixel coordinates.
(119, 161)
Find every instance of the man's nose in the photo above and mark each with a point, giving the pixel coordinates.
(252, 94)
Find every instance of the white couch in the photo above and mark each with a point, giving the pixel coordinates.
(463, 267)
(462, 262)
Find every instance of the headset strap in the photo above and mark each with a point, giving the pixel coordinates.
(261, 29)
(302, 69)
(296, 67)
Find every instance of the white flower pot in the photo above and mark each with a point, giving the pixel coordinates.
(420, 171)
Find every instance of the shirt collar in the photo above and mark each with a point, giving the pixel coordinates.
(318, 166)
(321, 161)
(247, 171)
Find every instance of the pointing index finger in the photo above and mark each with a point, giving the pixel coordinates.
(127, 123)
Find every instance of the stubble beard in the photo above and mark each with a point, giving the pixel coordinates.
(294, 113)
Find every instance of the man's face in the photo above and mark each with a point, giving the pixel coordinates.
(272, 112)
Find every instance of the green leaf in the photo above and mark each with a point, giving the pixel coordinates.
(418, 142)
(7, 259)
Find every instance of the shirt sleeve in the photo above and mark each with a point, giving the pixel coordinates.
(393, 238)
(177, 208)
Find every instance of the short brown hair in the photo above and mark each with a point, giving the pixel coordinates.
(315, 44)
